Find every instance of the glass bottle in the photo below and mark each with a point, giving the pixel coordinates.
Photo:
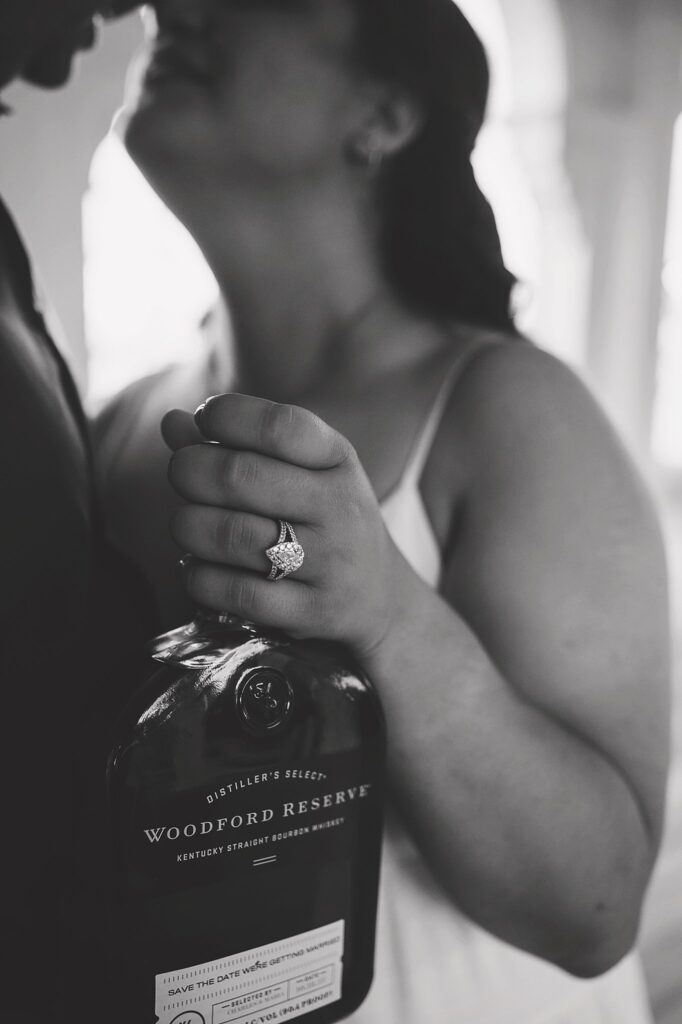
(246, 792)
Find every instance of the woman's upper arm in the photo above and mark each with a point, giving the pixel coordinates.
(558, 564)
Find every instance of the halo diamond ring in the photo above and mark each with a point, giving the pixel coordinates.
(287, 555)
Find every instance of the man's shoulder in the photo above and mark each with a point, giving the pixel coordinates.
(36, 413)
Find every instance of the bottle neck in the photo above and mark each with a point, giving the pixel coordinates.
(197, 644)
(203, 619)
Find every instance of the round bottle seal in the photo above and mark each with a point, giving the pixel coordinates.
(264, 700)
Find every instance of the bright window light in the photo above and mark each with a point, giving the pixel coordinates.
(146, 284)
(667, 432)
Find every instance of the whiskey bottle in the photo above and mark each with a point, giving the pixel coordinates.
(245, 789)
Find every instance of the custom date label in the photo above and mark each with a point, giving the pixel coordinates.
(277, 982)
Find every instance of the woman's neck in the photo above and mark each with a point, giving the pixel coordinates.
(306, 296)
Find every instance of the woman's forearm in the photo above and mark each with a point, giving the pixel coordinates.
(533, 832)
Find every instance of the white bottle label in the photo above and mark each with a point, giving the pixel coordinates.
(278, 982)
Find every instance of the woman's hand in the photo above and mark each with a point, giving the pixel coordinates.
(280, 462)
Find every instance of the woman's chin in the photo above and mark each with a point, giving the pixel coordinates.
(160, 140)
(160, 113)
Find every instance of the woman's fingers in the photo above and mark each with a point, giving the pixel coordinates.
(284, 432)
(179, 429)
(257, 463)
(236, 539)
(284, 605)
(246, 481)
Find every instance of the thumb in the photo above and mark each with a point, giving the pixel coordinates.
(179, 430)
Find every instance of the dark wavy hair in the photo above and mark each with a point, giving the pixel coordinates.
(441, 248)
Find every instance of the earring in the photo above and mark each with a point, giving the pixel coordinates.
(374, 155)
(370, 152)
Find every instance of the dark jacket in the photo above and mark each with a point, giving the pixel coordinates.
(72, 616)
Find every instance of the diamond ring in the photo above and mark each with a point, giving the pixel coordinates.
(287, 555)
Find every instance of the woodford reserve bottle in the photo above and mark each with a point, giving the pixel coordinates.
(246, 795)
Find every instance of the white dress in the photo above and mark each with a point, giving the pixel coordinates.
(433, 966)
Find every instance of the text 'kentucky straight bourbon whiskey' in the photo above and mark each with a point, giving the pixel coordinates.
(246, 794)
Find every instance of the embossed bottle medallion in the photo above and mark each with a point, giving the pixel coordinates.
(264, 700)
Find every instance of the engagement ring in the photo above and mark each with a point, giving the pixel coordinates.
(287, 555)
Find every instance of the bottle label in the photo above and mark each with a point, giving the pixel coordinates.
(280, 981)
(307, 811)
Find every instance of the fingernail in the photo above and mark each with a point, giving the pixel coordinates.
(201, 410)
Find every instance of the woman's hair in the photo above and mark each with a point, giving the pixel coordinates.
(440, 244)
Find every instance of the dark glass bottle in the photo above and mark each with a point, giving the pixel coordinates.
(246, 791)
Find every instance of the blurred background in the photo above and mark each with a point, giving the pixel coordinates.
(582, 161)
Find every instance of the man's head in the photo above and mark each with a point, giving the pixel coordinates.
(40, 38)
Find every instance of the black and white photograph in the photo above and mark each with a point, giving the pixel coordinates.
(341, 511)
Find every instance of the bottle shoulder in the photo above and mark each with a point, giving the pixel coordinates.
(265, 700)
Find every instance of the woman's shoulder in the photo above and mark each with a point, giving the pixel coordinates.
(132, 469)
(131, 398)
(128, 425)
(511, 390)
(123, 423)
(521, 427)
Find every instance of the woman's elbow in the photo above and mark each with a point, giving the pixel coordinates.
(600, 918)
(592, 947)
(600, 957)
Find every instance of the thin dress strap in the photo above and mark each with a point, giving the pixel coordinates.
(422, 447)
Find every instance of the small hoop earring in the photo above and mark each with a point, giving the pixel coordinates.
(369, 153)
(374, 155)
